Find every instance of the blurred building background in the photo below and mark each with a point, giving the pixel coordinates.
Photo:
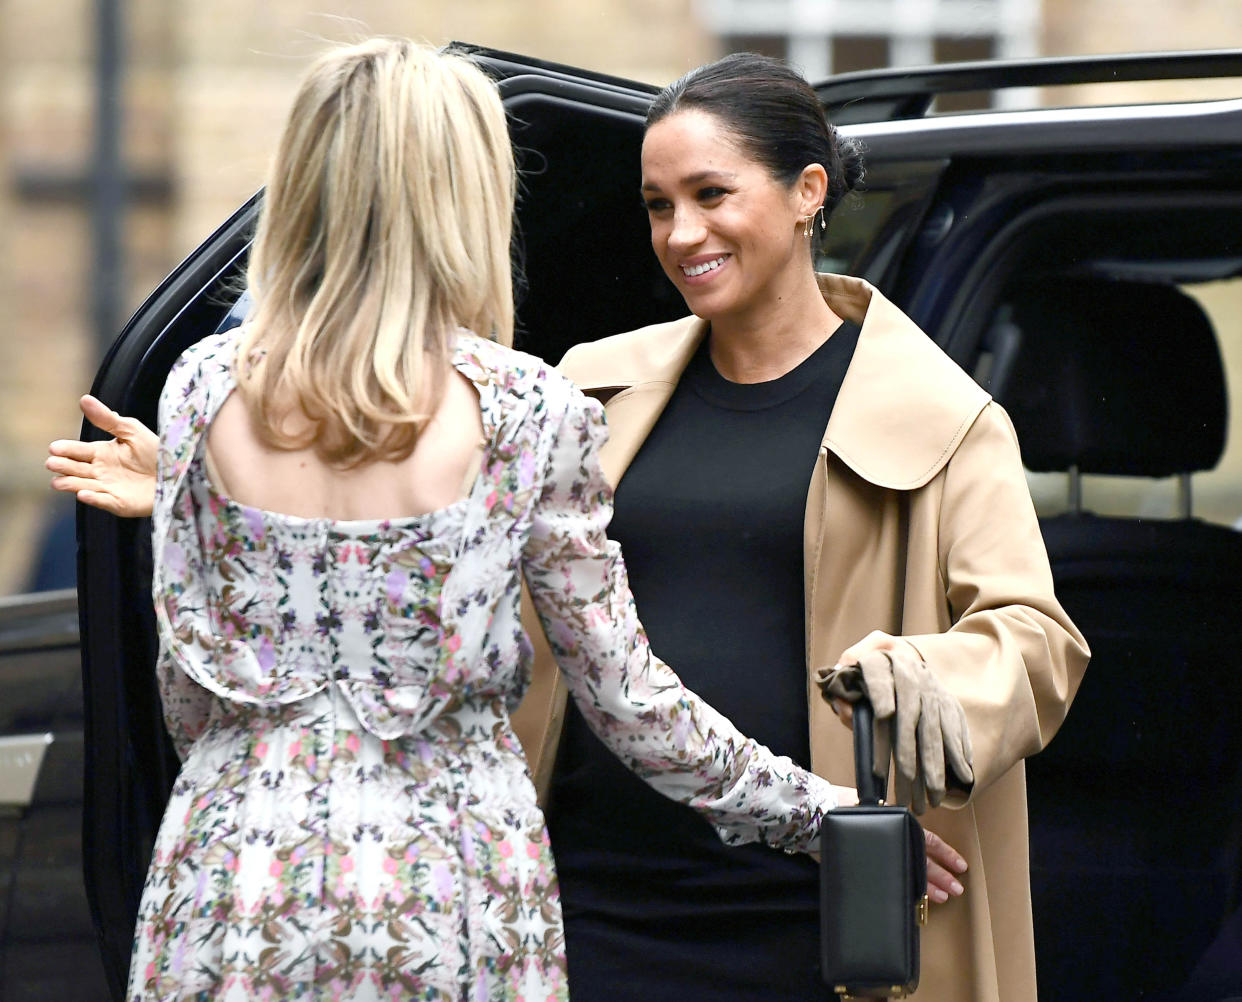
(202, 89)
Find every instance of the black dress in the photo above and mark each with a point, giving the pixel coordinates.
(710, 518)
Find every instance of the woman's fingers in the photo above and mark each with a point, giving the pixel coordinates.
(68, 468)
(944, 865)
(101, 415)
(941, 884)
(70, 450)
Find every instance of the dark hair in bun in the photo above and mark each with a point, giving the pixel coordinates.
(773, 113)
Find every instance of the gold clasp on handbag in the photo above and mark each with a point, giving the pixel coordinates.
(921, 910)
(895, 992)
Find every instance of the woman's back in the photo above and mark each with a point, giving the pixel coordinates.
(299, 482)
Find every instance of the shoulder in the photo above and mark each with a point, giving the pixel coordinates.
(992, 431)
(527, 387)
(198, 380)
(202, 363)
(214, 352)
(905, 406)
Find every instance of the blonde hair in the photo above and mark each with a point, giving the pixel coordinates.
(385, 226)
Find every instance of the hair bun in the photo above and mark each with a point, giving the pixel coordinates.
(852, 168)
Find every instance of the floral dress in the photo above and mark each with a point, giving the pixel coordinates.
(354, 818)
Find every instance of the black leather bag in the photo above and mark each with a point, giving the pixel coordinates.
(873, 883)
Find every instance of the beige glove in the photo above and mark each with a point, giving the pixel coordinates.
(926, 723)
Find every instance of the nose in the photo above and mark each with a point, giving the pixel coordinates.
(687, 230)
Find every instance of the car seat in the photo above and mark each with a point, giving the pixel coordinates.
(1134, 805)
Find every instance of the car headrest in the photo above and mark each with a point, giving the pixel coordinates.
(1112, 377)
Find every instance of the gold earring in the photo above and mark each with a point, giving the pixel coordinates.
(806, 225)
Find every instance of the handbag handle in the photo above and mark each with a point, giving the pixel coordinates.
(872, 786)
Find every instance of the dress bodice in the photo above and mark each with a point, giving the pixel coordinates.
(404, 615)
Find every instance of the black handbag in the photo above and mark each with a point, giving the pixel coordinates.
(873, 886)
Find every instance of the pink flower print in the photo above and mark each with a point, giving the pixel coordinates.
(491, 500)
(277, 868)
(395, 582)
(310, 764)
(295, 749)
(505, 849)
(427, 568)
(267, 653)
(526, 468)
(254, 522)
(174, 561)
(453, 643)
(175, 430)
(442, 878)
(260, 749)
(347, 864)
(683, 724)
(532, 850)
(149, 973)
(353, 742)
(411, 853)
(390, 865)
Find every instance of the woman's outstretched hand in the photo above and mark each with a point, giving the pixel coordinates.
(117, 476)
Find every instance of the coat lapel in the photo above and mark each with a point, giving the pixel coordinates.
(897, 370)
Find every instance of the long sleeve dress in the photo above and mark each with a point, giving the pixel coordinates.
(354, 818)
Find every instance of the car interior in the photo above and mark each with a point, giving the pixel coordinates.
(1112, 372)
(1134, 829)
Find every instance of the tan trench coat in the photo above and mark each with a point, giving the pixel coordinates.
(918, 523)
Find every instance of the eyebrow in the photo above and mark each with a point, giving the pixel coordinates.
(703, 175)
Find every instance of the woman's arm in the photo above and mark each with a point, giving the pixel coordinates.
(117, 476)
(634, 702)
(1012, 657)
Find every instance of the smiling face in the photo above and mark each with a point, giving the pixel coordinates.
(727, 233)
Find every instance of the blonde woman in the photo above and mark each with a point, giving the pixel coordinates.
(350, 489)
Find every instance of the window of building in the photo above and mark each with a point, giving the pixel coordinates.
(826, 37)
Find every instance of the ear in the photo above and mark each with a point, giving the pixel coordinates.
(811, 188)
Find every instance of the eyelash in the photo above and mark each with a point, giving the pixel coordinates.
(704, 195)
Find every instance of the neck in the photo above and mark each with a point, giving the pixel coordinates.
(770, 342)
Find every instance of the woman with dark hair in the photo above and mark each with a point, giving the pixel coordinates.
(803, 481)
